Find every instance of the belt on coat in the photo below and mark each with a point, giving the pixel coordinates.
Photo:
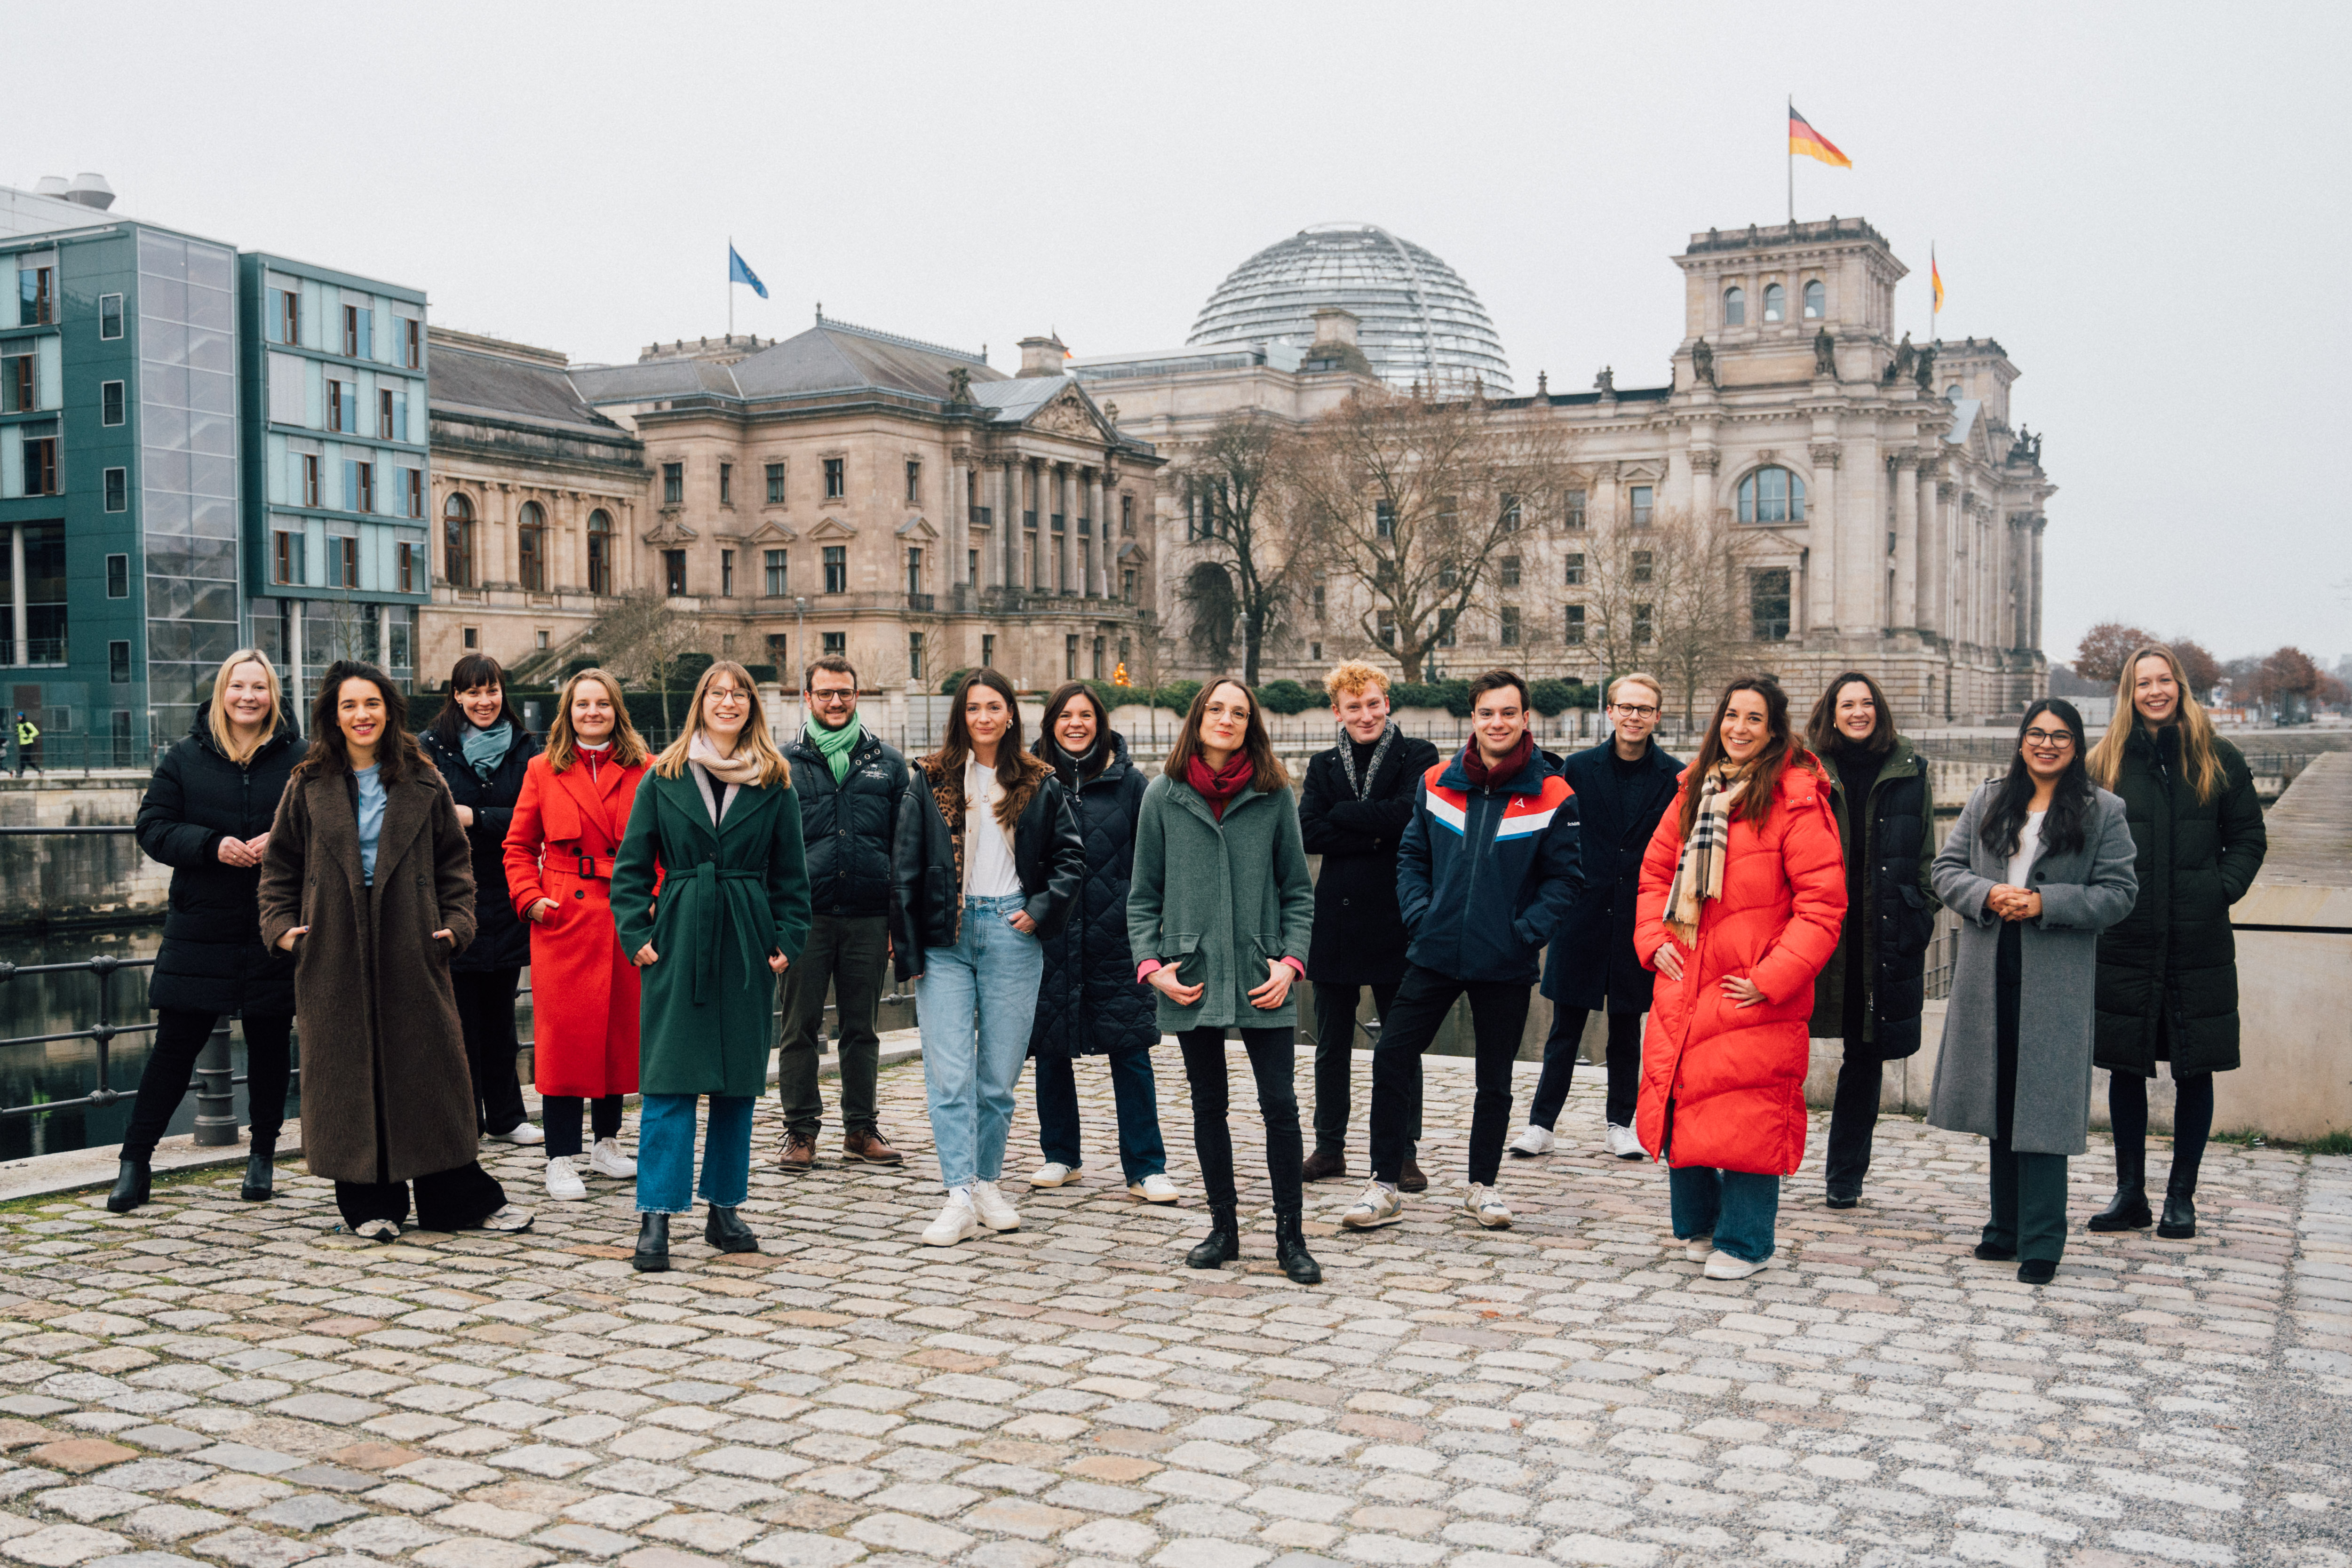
(727, 897)
(587, 868)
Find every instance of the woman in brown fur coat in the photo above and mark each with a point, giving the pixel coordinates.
(369, 881)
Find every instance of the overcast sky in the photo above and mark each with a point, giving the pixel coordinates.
(2146, 203)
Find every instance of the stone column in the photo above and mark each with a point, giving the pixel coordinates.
(1862, 542)
(1903, 473)
(1698, 486)
(20, 649)
(959, 529)
(2033, 628)
(1935, 551)
(1821, 535)
(994, 569)
(1097, 582)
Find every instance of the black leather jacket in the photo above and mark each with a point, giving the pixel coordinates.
(926, 860)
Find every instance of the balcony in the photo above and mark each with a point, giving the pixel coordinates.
(925, 603)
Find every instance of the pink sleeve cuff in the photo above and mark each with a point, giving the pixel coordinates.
(1143, 970)
(1296, 964)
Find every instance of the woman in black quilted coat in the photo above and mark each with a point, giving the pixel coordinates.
(1090, 1004)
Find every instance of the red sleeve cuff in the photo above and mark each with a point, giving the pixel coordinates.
(1143, 970)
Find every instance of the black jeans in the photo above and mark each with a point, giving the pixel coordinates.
(1853, 1118)
(1274, 1063)
(851, 954)
(486, 1012)
(446, 1200)
(1624, 1066)
(2192, 1122)
(559, 1116)
(1498, 1016)
(1335, 1052)
(180, 1034)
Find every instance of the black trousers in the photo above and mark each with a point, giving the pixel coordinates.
(1498, 1017)
(559, 1115)
(1623, 1058)
(2029, 1191)
(1274, 1063)
(180, 1035)
(486, 1012)
(446, 1200)
(1853, 1118)
(1335, 1051)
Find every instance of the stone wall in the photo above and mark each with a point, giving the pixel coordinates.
(76, 877)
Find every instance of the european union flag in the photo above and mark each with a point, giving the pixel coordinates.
(739, 273)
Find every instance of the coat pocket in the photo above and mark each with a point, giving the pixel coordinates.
(1915, 922)
(1270, 949)
(1181, 952)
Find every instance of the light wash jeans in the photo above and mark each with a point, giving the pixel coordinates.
(1739, 1207)
(666, 1154)
(975, 1002)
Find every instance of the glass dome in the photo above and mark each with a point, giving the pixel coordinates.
(1419, 322)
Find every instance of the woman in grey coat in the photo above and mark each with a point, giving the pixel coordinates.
(2039, 864)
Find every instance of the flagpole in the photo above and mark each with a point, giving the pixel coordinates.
(1935, 305)
(731, 286)
(1792, 157)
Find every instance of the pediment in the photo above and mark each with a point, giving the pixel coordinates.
(669, 529)
(833, 528)
(1072, 413)
(770, 531)
(916, 527)
(1640, 473)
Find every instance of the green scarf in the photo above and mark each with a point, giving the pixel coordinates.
(835, 745)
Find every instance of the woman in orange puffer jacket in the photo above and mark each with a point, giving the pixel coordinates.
(1743, 895)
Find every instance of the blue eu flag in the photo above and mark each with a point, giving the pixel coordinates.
(737, 272)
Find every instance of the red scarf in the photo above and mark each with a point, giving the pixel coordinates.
(1473, 762)
(1220, 787)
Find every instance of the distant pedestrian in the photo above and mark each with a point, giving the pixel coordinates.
(1743, 889)
(29, 737)
(2038, 865)
(2168, 970)
(1872, 990)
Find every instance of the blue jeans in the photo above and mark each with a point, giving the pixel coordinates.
(1132, 1089)
(666, 1154)
(1737, 1207)
(975, 1002)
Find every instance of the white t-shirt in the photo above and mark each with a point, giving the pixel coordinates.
(2029, 849)
(988, 868)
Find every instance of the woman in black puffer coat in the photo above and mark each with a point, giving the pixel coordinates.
(206, 814)
(482, 748)
(1090, 1004)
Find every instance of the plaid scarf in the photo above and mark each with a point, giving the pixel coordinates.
(1372, 767)
(1698, 873)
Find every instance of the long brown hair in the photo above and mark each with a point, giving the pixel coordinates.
(216, 716)
(1266, 772)
(774, 769)
(473, 669)
(395, 754)
(1064, 695)
(1012, 762)
(628, 746)
(1822, 730)
(2200, 751)
(1755, 803)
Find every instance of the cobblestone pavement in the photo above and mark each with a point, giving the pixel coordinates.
(230, 1383)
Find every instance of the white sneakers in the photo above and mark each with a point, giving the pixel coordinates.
(607, 1159)
(1699, 1249)
(521, 1132)
(1155, 1189)
(1624, 1145)
(1619, 1141)
(508, 1219)
(563, 1182)
(1723, 1266)
(1533, 1140)
(995, 1212)
(1486, 1206)
(955, 1222)
(1380, 1205)
(1054, 1174)
(376, 1230)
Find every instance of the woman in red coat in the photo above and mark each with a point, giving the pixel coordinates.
(1743, 894)
(574, 805)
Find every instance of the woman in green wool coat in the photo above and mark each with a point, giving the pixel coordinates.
(717, 831)
(1218, 918)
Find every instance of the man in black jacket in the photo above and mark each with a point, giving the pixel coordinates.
(851, 788)
(1351, 811)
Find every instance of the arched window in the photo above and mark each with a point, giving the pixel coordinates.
(1953, 392)
(1776, 302)
(1817, 300)
(530, 547)
(1771, 494)
(457, 540)
(600, 552)
(1735, 306)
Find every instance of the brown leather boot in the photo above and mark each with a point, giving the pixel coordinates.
(1410, 1179)
(867, 1144)
(1324, 1165)
(798, 1156)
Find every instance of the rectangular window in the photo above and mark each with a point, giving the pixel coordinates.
(1768, 603)
(405, 569)
(674, 573)
(914, 481)
(1573, 632)
(310, 496)
(1644, 565)
(1101, 652)
(359, 486)
(109, 403)
(339, 410)
(1509, 632)
(1510, 571)
(673, 484)
(109, 316)
(1127, 517)
(40, 458)
(1321, 600)
(914, 571)
(285, 558)
(531, 552)
(469, 637)
(356, 336)
(383, 414)
(1511, 514)
(343, 563)
(20, 385)
(1384, 519)
(1445, 628)
(37, 301)
(835, 486)
(288, 316)
(1575, 518)
(725, 573)
(1576, 570)
(1644, 625)
(118, 663)
(411, 485)
(914, 655)
(1127, 586)
(118, 489)
(835, 644)
(118, 576)
(1070, 657)
(836, 569)
(1639, 496)
(971, 567)
(779, 577)
(775, 484)
(1384, 628)
(726, 484)
(988, 651)
(413, 342)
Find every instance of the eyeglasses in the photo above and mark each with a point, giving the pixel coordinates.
(2049, 739)
(1631, 712)
(831, 698)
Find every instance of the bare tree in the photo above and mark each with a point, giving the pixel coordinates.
(1674, 597)
(1243, 575)
(641, 639)
(1413, 499)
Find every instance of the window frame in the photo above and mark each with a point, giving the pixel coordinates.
(1571, 626)
(725, 573)
(1734, 302)
(118, 571)
(1813, 300)
(413, 342)
(114, 489)
(914, 481)
(40, 458)
(600, 552)
(1751, 505)
(112, 399)
(286, 557)
(726, 484)
(674, 574)
(1775, 304)
(1507, 625)
(776, 569)
(776, 489)
(118, 661)
(836, 568)
(673, 484)
(310, 480)
(458, 541)
(837, 478)
(103, 300)
(530, 547)
(1641, 504)
(289, 316)
(1776, 629)
(1573, 568)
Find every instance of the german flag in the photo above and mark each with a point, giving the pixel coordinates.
(1935, 276)
(1804, 138)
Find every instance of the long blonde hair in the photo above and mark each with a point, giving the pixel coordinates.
(216, 716)
(2200, 750)
(671, 764)
(628, 746)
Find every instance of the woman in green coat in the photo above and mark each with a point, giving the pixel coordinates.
(717, 832)
(2168, 970)
(1218, 915)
